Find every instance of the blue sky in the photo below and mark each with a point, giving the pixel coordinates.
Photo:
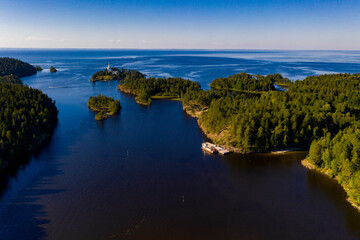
(181, 24)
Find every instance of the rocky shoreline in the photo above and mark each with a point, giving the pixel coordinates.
(218, 139)
(310, 166)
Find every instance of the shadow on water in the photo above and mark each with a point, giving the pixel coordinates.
(12, 170)
(335, 193)
(26, 211)
(23, 185)
(244, 162)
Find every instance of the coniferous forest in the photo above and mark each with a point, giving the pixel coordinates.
(10, 79)
(276, 120)
(244, 81)
(339, 157)
(102, 104)
(265, 120)
(260, 120)
(244, 112)
(11, 66)
(27, 116)
(147, 88)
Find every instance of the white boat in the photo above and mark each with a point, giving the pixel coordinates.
(212, 148)
(209, 148)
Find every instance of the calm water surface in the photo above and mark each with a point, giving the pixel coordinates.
(142, 174)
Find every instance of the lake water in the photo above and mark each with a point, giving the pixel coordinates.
(142, 174)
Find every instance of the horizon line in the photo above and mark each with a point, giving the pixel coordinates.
(176, 49)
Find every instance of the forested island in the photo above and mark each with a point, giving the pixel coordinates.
(27, 116)
(115, 74)
(246, 114)
(104, 106)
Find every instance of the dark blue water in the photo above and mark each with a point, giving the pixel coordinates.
(142, 174)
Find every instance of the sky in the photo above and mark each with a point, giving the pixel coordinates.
(181, 24)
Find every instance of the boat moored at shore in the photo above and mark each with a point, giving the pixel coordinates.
(208, 148)
(212, 148)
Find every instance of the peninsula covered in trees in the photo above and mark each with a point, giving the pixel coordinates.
(245, 113)
(104, 106)
(266, 121)
(244, 82)
(339, 157)
(12, 66)
(250, 83)
(146, 89)
(27, 116)
(276, 120)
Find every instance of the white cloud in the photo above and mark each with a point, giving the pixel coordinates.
(114, 41)
(33, 38)
(1, 38)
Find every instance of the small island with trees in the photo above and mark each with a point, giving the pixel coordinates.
(115, 74)
(52, 69)
(104, 106)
